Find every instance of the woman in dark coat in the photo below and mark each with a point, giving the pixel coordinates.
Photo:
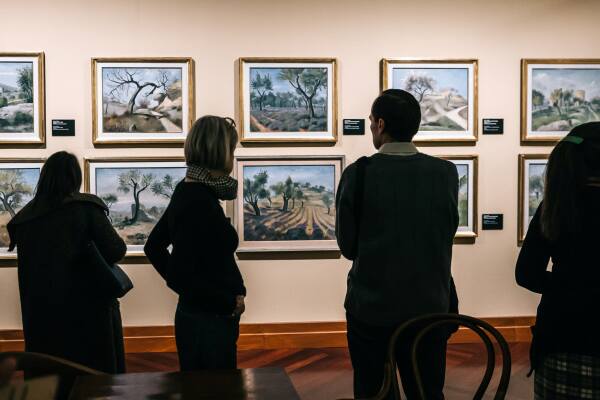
(565, 229)
(201, 266)
(64, 313)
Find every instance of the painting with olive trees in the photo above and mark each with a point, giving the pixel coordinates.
(18, 180)
(21, 98)
(284, 100)
(142, 101)
(446, 92)
(532, 178)
(287, 204)
(559, 95)
(136, 193)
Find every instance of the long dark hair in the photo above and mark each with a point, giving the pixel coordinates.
(60, 177)
(574, 160)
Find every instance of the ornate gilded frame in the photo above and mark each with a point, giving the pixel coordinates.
(191, 107)
(386, 63)
(243, 129)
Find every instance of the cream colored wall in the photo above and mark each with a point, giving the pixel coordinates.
(359, 34)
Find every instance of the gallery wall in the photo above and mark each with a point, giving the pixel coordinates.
(359, 34)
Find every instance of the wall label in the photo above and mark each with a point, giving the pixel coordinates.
(63, 127)
(493, 126)
(492, 222)
(354, 126)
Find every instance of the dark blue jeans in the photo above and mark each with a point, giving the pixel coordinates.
(205, 340)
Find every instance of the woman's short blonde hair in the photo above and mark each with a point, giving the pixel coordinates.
(211, 143)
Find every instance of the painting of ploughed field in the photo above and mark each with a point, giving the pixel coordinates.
(442, 94)
(136, 197)
(289, 202)
(147, 100)
(17, 185)
(288, 99)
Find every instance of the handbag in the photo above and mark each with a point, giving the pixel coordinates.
(110, 280)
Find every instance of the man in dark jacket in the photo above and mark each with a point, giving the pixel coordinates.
(407, 214)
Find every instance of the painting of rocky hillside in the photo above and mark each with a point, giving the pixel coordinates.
(17, 94)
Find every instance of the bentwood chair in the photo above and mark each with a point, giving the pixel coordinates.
(35, 365)
(427, 323)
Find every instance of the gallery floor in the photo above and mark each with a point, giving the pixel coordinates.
(326, 374)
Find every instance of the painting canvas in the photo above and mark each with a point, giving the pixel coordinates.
(559, 95)
(287, 100)
(467, 194)
(446, 92)
(136, 193)
(18, 179)
(531, 188)
(287, 204)
(21, 99)
(144, 101)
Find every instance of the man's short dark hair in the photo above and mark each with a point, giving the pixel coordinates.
(401, 113)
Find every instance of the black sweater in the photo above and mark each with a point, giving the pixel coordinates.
(567, 317)
(201, 266)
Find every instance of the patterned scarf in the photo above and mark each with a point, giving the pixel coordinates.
(224, 186)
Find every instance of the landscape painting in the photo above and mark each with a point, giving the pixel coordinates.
(532, 177)
(560, 96)
(467, 194)
(18, 180)
(446, 92)
(287, 205)
(21, 99)
(136, 193)
(286, 100)
(142, 101)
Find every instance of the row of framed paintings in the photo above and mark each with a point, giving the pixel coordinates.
(139, 101)
(283, 203)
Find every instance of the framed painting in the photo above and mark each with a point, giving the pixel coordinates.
(287, 203)
(446, 91)
(136, 191)
(532, 178)
(22, 99)
(288, 99)
(556, 96)
(467, 167)
(18, 179)
(142, 100)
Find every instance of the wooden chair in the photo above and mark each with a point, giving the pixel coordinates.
(36, 365)
(428, 322)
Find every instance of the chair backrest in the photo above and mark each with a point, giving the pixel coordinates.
(430, 322)
(37, 365)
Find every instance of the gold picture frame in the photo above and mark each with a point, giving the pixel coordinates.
(9, 259)
(524, 213)
(470, 230)
(263, 135)
(555, 129)
(453, 133)
(173, 135)
(133, 231)
(37, 136)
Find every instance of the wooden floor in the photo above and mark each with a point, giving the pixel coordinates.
(327, 374)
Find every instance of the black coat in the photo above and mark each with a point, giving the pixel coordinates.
(63, 313)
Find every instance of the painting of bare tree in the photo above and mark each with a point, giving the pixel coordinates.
(287, 203)
(143, 101)
(136, 193)
(18, 180)
(559, 95)
(287, 100)
(446, 92)
(21, 98)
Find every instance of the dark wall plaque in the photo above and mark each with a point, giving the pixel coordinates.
(63, 127)
(493, 126)
(354, 126)
(492, 221)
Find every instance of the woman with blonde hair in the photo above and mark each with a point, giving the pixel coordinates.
(201, 266)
